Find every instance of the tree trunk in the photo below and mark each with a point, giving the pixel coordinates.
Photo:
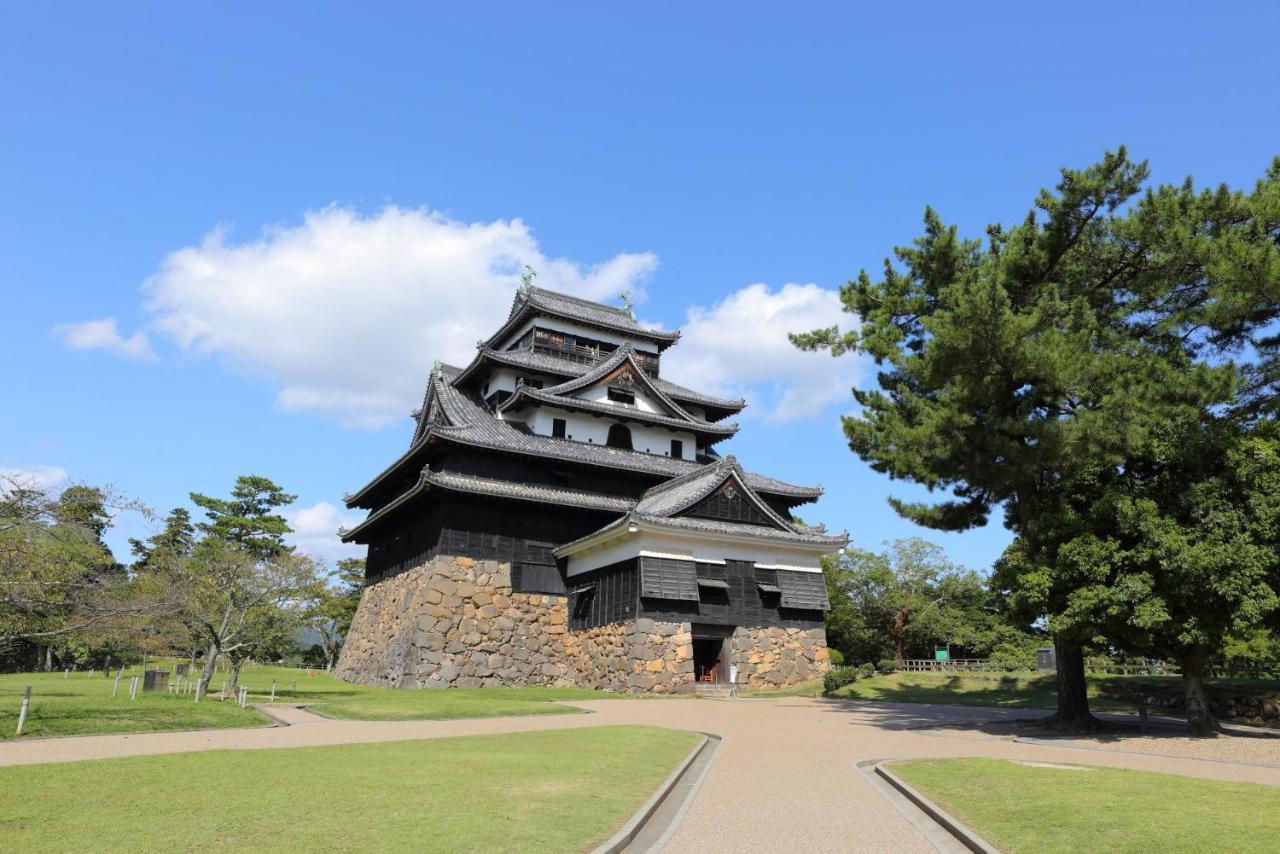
(1073, 697)
(1200, 720)
(210, 660)
(48, 659)
(900, 635)
(235, 674)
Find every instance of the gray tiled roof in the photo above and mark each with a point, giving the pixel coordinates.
(621, 412)
(718, 527)
(517, 491)
(560, 395)
(464, 420)
(547, 364)
(533, 301)
(681, 493)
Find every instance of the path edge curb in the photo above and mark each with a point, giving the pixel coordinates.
(631, 829)
(966, 836)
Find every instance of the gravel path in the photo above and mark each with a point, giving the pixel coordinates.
(783, 780)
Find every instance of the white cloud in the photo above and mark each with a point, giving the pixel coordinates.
(739, 347)
(315, 531)
(347, 313)
(103, 335)
(35, 477)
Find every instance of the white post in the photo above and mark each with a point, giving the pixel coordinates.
(273, 690)
(116, 687)
(222, 695)
(26, 704)
(66, 673)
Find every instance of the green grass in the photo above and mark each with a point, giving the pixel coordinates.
(81, 704)
(1035, 809)
(563, 790)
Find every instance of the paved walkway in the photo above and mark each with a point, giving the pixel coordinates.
(783, 781)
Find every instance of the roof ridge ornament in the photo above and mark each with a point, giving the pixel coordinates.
(526, 281)
(627, 305)
(437, 369)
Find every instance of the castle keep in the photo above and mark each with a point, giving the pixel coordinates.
(561, 517)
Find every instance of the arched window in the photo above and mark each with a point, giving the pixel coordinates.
(619, 437)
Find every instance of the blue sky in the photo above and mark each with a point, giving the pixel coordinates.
(243, 192)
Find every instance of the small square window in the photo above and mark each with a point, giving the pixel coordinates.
(618, 395)
(677, 449)
(557, 428)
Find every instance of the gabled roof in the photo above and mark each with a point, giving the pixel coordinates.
(680, 494)
(660, 508)
(622, 360)
(547, 364)
(532, 301)
(710, 431)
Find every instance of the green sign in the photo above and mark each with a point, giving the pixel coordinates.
(941, 655)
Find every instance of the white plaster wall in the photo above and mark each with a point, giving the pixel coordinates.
(600, 394)
(706, 550)
(583, 428)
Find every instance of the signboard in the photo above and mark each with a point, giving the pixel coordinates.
(1046, 659)
(941, 655)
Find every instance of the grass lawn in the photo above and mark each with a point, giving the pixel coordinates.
(1003, 690)
(81, 704)
(564, 790)
(1028, 808)
(78, 705)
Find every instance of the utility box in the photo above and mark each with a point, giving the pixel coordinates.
(1046, 659)
(155, 680)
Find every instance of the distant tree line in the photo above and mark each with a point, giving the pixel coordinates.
(1104, 375)
(227, 587)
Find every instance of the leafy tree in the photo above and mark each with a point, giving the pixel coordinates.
(333, 609)
(1011, 365)
(1173, 552)
(232, 598)
(247, 517)
(57, 577)
(909, 600)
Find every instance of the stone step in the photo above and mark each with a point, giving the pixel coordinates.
(718, 692)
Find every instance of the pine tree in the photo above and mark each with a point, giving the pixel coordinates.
(246, 518)
(1011, 365)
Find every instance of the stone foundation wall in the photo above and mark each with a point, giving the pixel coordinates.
(455, 621)
(639, 656)
(772, 656)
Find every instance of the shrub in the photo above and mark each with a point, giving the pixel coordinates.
(836, 656)
(886, 666)
(866, 670)
(837, 678)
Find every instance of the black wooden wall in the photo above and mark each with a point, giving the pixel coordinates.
(517, 532)
(615, 596)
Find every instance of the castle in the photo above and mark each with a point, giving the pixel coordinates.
(561, 517)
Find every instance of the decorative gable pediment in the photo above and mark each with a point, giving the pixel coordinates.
(730, 503)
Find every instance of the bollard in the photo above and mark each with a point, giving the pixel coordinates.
(26, 705)
(66, 673)
(222, 695)
(116, 687)
(1143, 725)
(273, 690)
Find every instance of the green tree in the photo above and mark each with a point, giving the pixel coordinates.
(247, 518)
(907, 601)
(331, 612)
(1173, 552)
(1012, 364)
(176, 539)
